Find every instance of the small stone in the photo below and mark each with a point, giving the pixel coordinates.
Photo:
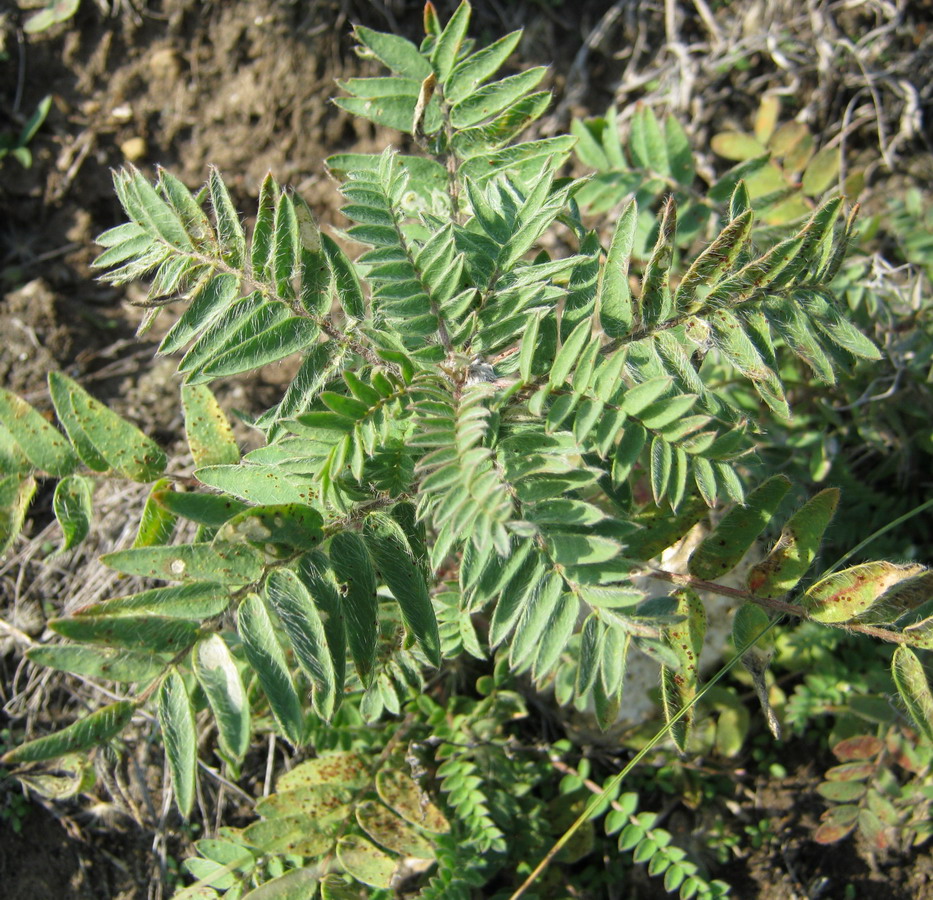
(164, 64)
(134, 149)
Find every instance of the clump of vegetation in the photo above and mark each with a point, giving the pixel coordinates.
(485, 449)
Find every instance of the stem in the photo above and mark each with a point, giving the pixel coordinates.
(782, 606)
(611, 785)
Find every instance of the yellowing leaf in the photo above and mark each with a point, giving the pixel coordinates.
(737, 146)
(845, 595)
(821, 171)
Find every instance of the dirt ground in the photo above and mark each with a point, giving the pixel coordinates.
(245, 86)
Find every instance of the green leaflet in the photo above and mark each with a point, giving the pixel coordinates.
(210, 301)
(97, 728)
(447, 47)
(568, 549)
(858, 592)
(296, 884)
(607, 688)
(61, 398)
(229, 229)
(280, 339)
(646, 141)
(796, 548)
(914, 689)
(314, 274)
(640, 397)
(218, 675)
(523, 160)
(211, 510)
(157, 523)
(569, 353)
(710, 265)
(254, 483)
(556, 635)
(98, 662)
(660, 529)
(365, 862)
(302, 623)
(261, 242)
(221, 562)
(396, 568)
(397, 53)
(542, 604)
(279, 529)
(125, 448)
(655, 304)
(12, 458)
(72, 506)
(313, 572)
(42, 443)
(353, 567)
(234, 336)
(749, 622)
(679, 154)
(520, 581)
(493, 99)
(152, 212)
(198, 601)
(267, 660)
(385, 828)
(615, 297)
(722, 549)
(176, 718)
(469, 74)
(284, 257)
(679, 687)
(157, 634)
(207, 428)
(402, 795)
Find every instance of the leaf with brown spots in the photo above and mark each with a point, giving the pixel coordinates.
(387, 829)
(679, 687)
(861, 592)
(796, 548)
(349, 770)
(401, 794)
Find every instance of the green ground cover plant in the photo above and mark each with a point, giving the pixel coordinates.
(500, 419)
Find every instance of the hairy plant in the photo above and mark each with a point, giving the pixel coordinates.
(485, 444)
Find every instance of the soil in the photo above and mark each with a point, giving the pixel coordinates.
(245, 86)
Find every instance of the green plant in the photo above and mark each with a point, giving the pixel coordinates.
(14, 805)
(484, 445)
(17, 145)
(53, 12)
(881, 788)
